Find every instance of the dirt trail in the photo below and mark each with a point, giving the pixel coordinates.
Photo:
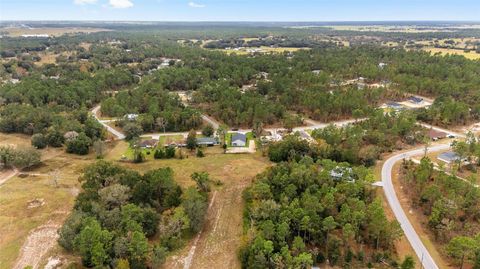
(38, 243)
(218, 243)
(6, 175)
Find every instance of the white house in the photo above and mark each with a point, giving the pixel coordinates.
(131, 116)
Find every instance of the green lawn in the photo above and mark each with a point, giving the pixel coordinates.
(162, 140)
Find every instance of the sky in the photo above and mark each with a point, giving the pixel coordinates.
(241, 10)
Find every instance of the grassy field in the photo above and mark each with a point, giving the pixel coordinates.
(20, 217)
(50, 57)
(53, 31)
(469, 55)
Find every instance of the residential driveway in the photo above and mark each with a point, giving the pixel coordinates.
(412, 236)
(250, 149)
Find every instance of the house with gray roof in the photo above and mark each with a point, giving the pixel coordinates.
(239, 140)
(448, 157)
(207, 141)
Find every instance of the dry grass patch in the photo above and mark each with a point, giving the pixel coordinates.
(52, 31)
(472, 55)
(18, 222)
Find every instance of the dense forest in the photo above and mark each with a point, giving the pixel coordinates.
(122, 219)
(303, 213)
(451, 207)
(239, 90)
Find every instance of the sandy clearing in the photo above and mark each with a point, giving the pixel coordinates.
(38, 243)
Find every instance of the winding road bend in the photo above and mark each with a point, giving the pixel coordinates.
(412, 236)
(118, 135)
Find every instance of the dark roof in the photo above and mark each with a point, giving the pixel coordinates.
(415, 99)
(436, 134)
(239, 136)
(149, 142)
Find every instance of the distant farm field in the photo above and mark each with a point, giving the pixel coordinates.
(469, 55)
(53, 31)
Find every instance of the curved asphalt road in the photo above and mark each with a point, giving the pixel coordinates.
(118, 135)
(415, 241)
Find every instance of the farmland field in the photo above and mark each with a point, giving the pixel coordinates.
(53, 31)
(469, 55)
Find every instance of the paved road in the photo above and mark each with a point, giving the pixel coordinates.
(412, 236)
(118, 135)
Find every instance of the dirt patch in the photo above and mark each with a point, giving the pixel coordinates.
(54, 262)
(38, 243)
(37, 202)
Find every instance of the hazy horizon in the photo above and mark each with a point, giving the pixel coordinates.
(239, 10)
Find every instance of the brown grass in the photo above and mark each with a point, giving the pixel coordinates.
(472, 55)
(16, 220)
(53, 31)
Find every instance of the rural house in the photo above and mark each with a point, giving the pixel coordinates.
(239, 140)
(436, 135)
(448, 157)
(148, 144)
(207, 141)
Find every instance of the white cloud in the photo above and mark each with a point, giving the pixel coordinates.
(120, 3)
(84, 2)
(196, 5)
